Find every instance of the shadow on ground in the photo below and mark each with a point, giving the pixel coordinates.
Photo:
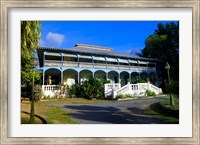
(89, 114)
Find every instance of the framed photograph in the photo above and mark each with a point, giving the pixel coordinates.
(63, 25)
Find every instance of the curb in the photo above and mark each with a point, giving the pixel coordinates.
(42, 119)
(169, 110)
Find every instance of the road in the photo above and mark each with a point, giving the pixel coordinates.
(120, 112)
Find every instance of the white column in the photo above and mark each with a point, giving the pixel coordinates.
(119, 80)
(43, 77)
(107, 76)
(118, 63)
(78, 77)
(106, 63)
(93, 62)
(61, 77)
(78, 59)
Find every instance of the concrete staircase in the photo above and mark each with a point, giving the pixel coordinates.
(112, 90)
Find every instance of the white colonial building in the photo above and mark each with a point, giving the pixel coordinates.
(74, 65)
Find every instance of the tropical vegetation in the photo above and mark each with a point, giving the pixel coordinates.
(163, 45)
(30, 38)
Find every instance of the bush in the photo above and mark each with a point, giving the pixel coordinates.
(122, 96)
(150, 93)
(65, 91)
(142, 80)
(74, 91)
(173, 88)
(92, 88)
(129, 96)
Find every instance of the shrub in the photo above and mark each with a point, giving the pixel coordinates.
(65, 91)
(74, 91)
(105, 81)
(129, 95)
(173, 88)
(150, 93)
(142, 80)
(120, 96)
(92, 88)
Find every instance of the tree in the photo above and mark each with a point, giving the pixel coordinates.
(30, 38)
(163, 45)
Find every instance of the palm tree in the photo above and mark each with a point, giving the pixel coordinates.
(30, 38)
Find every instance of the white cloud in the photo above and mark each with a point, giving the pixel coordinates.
(53, 39)
(132, 51)
(42, 42)
(135, 51)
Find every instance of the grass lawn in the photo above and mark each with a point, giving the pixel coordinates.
(25, 119)
(55, 115)
(158, 112)
(167, 103)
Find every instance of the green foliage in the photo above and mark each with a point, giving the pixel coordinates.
(105, 81)
(30, 38)
(75, 91)
(167, 103)
(150, 93)
(156, 111)
(92, 88)
(123, 96)
(142, 80)
(173, 88)
(120, 96)
(163, 45)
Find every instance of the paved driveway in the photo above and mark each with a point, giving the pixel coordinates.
(121, 112)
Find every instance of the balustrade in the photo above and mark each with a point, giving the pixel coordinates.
(70, 64)
(136, 89)
(52, 63)
(123, 89)
(96, 65)
(49, 87)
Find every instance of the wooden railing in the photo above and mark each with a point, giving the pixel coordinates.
(112, 66)
(96, 65)
(70, 64)
(52, 63)
(85, 65)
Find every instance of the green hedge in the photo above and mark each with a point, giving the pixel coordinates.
(150, 93)
(92, 88)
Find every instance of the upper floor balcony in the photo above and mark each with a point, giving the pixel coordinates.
(96, 62)
(90, 56)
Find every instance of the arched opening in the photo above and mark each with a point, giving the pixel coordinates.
(70, 77)
(113, 76)
(52, 76)
(85, 75)
(100, 75)
(152, 78)
(124, 77)
(134, 77)
(144, 77)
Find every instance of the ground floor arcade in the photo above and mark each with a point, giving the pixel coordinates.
(69, 76)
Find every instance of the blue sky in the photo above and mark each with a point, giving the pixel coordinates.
(125, 37)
